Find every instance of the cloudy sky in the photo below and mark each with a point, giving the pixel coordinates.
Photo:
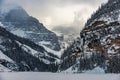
(60, 13)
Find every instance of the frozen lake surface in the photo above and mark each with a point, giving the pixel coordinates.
(56, 76)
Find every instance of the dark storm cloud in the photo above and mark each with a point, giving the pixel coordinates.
(1, 2)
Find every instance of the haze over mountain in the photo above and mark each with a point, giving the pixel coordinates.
(18, 21)
(45, 11)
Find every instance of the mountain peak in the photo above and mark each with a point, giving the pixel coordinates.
(18, 21)
(17, 13)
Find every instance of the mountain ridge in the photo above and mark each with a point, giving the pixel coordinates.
(27, 55)
(99, 43)
(17, 20)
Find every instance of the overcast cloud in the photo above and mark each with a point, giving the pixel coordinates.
(56, 13)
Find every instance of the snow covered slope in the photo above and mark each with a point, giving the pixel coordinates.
(3, 56)
(99, 43)
(4, 69)
(20, 23)
(107, 12)
(20, 54)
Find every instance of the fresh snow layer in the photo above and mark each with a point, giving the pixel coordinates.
(1, 24)
(19, 33)
(57, 53)
(70, 70)
(34, 52)
(44, 42)
(96, 70)
(57, 76)
(2, 69)
(2, 56)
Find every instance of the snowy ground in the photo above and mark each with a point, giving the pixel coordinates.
(57, 76)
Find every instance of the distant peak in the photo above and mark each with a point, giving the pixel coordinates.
(7, 6)
(16, 14)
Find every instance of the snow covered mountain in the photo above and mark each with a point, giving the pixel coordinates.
(99, 43)
(20, 54)
(107, 12)
(16, 20)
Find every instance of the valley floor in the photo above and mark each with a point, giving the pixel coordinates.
(56, 76)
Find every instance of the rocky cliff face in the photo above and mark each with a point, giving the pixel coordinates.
(99, 43)
(17, 21)
(20, 54)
